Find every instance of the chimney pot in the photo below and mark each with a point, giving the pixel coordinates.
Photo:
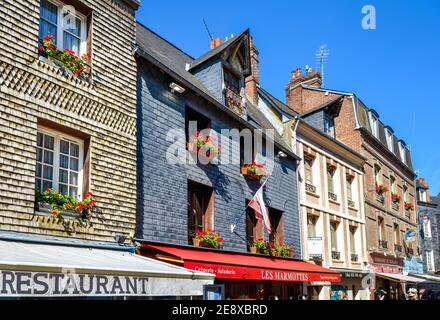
(298, 72)
(212, 44)
(218, 42)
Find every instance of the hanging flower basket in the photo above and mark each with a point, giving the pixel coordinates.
(253, 171)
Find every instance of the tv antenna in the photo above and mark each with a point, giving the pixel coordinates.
(321, 57)
(207, 30)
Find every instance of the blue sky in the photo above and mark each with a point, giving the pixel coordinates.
(394, 69)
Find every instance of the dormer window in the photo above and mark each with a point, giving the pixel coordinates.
(233, 99)
(402, 152)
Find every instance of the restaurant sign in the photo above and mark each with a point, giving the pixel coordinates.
(255, 273)
(25, 283)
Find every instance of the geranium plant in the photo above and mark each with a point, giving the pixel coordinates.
(67, 58)
(210, 238)
(205, 143)
(254, 170)
(381, 189)
(409, 206)
(281, 250)
(61, 203)
(270, 248)
(395, 198)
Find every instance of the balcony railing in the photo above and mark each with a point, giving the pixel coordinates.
(397, 248)
(380, 198)
(395, 206)
(383, 244)
(410, 251)
(408, 215)
(354, 257)
(336, 255)
(351, 203)
(310, 188)
(234, 102)
(332, 196)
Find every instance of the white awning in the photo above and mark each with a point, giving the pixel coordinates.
(399, 277)
(426, 277)
(29, 269)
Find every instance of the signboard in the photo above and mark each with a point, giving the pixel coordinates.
(31, 284)
(377, 257)
(246, 273)
(314, 246)
(412, 265)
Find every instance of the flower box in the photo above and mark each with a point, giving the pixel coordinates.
(381, 189)
(409, 206)
(207, 156)
(395, 198)
(253, 171)
(207, 239)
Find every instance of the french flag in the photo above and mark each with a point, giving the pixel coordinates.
(257, 203)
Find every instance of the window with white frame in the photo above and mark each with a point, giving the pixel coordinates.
(59, 161)
(334, 236)
(353, 231)
(308, 169)
(67, 25)
(349, 185)
(430, 260)
(422, 195)
(377, 175)
(426, 227)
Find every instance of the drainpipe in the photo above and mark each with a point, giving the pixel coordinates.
(297, 119)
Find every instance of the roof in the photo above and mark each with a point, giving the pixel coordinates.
(218, 50)
(283, 108)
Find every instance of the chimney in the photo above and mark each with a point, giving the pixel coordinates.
(294, 90)
(253, 80)
(215, 43)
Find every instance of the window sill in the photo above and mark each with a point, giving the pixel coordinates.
(334, 202)
(313, 194)
(45, 62)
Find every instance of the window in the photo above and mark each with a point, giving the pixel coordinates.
(430, 260)
(334, 236)
(277, 224)
(374, 125)
(402, 149)
(390, 139)
(329, 125)
(422, 195)
(311, 226)
(381, 228)
(308, 168)
(393, 184)
(426, 227)
(377, 178)
(59, 163)
(232, 82)
(330, 180)
(68, 28)
(254, 228)
(349, 182)
(353, 239)
(405, 193)
(195, 121)
(396, 234)
(200, 209)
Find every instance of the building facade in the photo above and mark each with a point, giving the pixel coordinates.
(389, 190)
(428, 219)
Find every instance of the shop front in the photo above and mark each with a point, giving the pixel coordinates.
(35, 270)
(353, 285)
(385, 288)
(245, 275)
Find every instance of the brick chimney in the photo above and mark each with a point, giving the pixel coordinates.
(254, 79)
(294, 91)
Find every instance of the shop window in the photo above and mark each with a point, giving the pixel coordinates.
(200, 209)
(277, 222)
(254, 228)
(67, 25)
(195, 121)
(59, 162)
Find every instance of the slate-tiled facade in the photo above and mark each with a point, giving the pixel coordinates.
(101, 112)
(162, 187)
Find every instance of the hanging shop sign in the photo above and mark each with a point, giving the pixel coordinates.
(412, 265)
(315, 247)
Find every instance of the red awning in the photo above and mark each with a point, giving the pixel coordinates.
(228, 265)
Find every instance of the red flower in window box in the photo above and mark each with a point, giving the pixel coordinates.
(208, 239)
(254, 171)
(395, 198)
(204, 146)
